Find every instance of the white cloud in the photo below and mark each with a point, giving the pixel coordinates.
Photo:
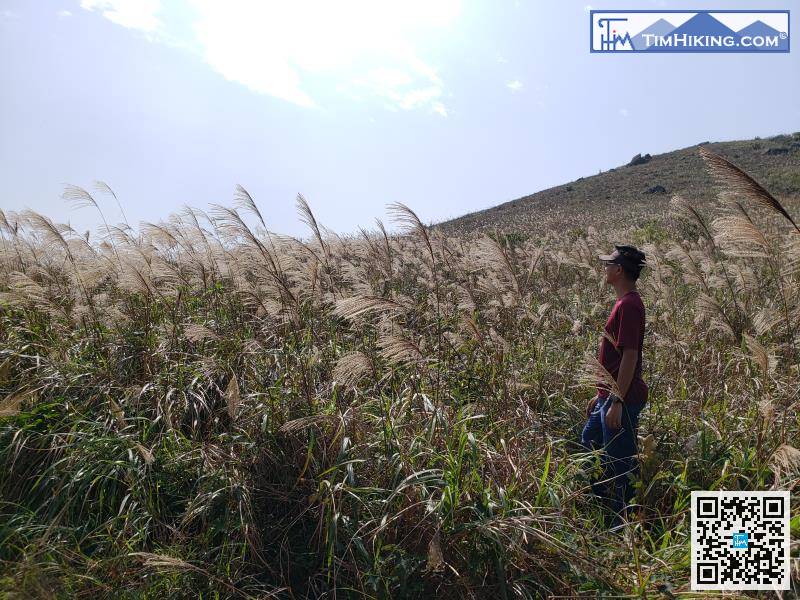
(623, 112)
(515, 85)
(396, 90)
(134, 14)
(440, 109)
(292, 50)
(304, 50)
(63, 14)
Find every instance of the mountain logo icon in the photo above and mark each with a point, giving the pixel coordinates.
(728, 31)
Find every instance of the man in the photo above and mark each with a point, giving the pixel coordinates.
(612, 421)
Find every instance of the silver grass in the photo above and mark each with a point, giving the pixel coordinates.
(593, 373)
(739, 236)
(765, 360)
(232, 397)
(736, 182)
(682, 207)
(244, 200)
(399, 350)
(12, 403)
(79, 197)
(354, 306)
(351, 368)
(765, 320)
(103, 187)
(785, 461)
(303, 422)
(195, 332)
(307, 217)
(406, 217)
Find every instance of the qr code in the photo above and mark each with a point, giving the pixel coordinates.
(740, 540)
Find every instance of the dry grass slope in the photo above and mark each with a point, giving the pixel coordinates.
(596, 201)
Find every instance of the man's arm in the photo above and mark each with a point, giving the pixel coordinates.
(626, 370)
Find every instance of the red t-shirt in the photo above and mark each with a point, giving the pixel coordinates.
(626, 326)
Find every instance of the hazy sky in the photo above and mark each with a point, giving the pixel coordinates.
(449, 107)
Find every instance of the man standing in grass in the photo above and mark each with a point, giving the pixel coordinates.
(612, 420)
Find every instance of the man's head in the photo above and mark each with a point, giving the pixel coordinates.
(624, 262)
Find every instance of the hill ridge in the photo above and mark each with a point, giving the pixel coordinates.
(642, 191)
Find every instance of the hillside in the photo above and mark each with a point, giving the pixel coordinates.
(642, 191)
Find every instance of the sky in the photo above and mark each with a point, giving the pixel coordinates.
(448, 106)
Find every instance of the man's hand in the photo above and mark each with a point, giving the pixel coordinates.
(590, 406)
(614, 416)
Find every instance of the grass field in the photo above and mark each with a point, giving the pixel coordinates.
(200, 408)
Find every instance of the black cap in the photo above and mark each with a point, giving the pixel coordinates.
(627, 256)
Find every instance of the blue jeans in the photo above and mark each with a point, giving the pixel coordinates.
(619, 461)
